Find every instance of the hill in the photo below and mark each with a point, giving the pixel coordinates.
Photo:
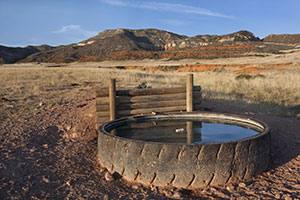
(283, 38)
(124, 44)
(14, 54)
(140, 44)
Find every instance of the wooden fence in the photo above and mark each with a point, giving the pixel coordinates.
(112, 104)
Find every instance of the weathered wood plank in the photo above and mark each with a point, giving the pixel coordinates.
(101, 108)
(145, 111)
(101, 120)
(103, 114)
(102, 100)
(167, 97)
(148, 91)
(140, 99)
(154, 104)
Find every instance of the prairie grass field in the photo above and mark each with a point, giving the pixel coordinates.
(274, 90)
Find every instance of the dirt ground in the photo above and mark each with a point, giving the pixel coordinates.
(50, 153)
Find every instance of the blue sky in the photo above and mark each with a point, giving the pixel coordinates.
(60, 22)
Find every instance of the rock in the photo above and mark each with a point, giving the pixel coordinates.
(297, 186)
(154, 188)
(135, 186)
(45, 180)
(242, 198)
(102, 169)
(230, 188)
(177, 195)
(60, 128)
(74, 135)
(109, 177)
(277, 196)
(287, 197)
(68, 183)
(25, 189)
(242, 185)
(32, 150)
(213, 189)
(166, 192)
(182, 45)
(172, 194)
(68, 127)
(45, 146)
(105, 197)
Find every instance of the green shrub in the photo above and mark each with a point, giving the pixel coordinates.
(243, 76)
(248, 76)
(143, 85)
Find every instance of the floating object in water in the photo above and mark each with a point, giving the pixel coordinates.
(179, 130)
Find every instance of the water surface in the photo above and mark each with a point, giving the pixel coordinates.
(183, 131)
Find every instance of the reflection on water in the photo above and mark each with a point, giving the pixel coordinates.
(182, 131)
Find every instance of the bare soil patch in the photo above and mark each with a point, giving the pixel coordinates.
(249, 70)
(51, 154)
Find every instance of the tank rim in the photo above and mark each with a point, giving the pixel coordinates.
(110, 125)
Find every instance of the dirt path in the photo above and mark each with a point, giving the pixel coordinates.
(50, 154)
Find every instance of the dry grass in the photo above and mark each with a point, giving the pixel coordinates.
(282, 88)
(29, 87)
(272, 92)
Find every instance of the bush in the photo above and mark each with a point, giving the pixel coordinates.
(143, 85)
(248, 76)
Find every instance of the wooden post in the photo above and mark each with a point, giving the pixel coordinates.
(112, 99)
(190, 134)
(189, 92)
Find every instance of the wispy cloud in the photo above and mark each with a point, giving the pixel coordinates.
(174, 22)
(170, 7)
(75, 28)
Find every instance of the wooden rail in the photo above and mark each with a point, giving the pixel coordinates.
(112, 104)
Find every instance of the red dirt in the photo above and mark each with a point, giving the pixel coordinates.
(50, 153)
(230, 48)
(58, 60)
(89, 59)
(196, 68)
(177, 53)
(280, 64)
(131, 67)
(206, 67)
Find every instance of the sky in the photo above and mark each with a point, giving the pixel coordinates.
(62, 22)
